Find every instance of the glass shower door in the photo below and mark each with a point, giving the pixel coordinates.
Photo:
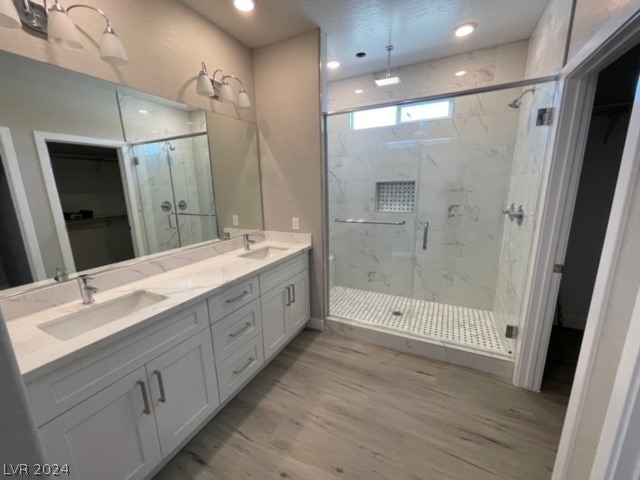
(193, 189)
(176, 192)
(372, 174)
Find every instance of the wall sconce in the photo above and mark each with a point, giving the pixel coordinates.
(60, 29)
(220, 89)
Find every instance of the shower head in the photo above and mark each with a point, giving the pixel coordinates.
(516, 103)
(171, 146)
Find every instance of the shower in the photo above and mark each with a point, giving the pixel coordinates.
(171, 146)
(516, 103)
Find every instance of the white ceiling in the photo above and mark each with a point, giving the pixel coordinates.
(420, 30)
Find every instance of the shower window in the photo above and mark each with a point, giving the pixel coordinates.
(389, 116)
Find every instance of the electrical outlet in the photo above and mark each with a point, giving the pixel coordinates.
(234, 219)
(295, 223)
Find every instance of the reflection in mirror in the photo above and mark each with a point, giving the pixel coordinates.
(14, 264)
(89, 184)
(207, 195)
(173, 181)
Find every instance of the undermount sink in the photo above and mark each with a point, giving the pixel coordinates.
(99, 314)
(264, 253)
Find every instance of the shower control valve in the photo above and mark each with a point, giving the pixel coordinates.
(515, 213)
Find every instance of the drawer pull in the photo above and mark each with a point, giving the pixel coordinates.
(247, 326)
(293, 289)
(163, 397)
(238, 372)
(288, 297)
(145, 399)
(237, 297)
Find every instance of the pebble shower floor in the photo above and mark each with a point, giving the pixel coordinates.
(468, 327)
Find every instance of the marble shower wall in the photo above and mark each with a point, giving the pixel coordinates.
(190, 177)
(524, 189)
(462, 168)
(486, 67)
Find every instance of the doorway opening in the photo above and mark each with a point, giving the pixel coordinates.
(90, 186)
(606, 138)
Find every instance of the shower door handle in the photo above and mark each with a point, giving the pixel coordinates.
(425, 235)
(171, 227)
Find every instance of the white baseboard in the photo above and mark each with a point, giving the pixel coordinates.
(315, 324)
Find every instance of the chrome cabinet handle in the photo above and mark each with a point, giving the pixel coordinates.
(425, 235)
(237, 372)
(247, 326)
(288, 296)
(293, 290)
(145, 398)
(237, 297)
(163, 397)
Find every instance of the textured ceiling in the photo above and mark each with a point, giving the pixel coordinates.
(419, 29)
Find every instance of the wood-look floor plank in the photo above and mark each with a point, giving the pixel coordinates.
(329, 407)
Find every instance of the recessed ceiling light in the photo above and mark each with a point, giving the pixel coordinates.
(461, 73)
(333, 64)
(358, 91)
(465, 29)
(361, 54)
(243, 5)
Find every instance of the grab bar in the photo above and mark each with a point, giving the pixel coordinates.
(369, 222)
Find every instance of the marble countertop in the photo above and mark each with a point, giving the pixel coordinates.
(38, 352)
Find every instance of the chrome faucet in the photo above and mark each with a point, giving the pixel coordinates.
(86, 290)
(247, 241)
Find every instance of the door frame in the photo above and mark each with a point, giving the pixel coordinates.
(21, 205)
(46, 167)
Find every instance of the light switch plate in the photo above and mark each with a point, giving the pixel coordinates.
(234, 219)
(295, 223)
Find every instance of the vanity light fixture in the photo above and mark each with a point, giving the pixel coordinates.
(219, 89)
(60, 29)
(387, 79)
(465, 29)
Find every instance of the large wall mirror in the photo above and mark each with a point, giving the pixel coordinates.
(94, 173)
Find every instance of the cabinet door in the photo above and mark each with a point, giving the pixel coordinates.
(110, 436)
(183, 389)
(299, 309)
(274, 319)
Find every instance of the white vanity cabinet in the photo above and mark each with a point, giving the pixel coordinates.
(123, 409)
(125, 430)
(285, 303)
(109, 436)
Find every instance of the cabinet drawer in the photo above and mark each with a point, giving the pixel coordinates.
(275, 276)
(236, 329)
(58, 391)
(236, 370)
(231, 298)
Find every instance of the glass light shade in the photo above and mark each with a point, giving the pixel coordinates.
(226, 94)
(62, 31)
(111, 49)
(8, 15)
(204, 86)
(243, 100)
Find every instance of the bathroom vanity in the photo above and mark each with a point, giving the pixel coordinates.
(119, 386)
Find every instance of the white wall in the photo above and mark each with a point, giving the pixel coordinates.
(290, 143)
(547, 43)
